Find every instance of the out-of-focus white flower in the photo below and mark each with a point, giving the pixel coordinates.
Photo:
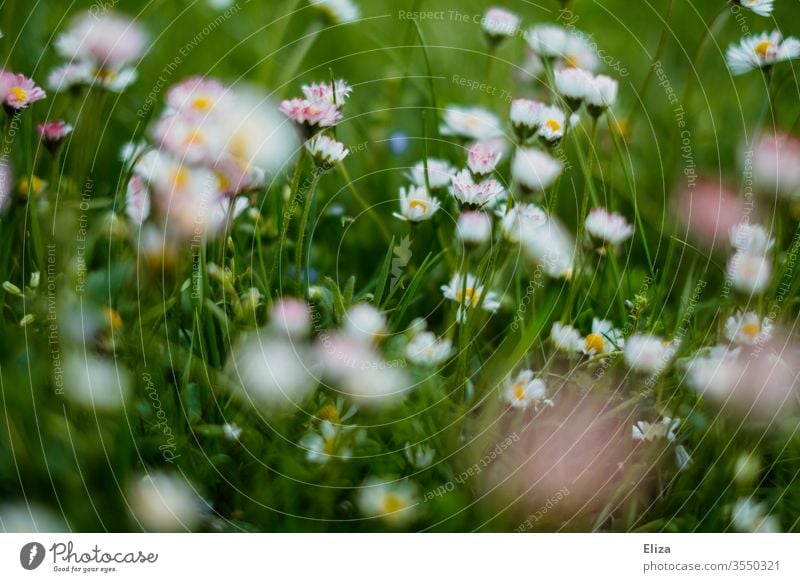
(474, 227)
(197, 97)
(425, 349)
(750, 516)
(440, 172)
(164, 503)
(499, 24)
(192, 140)
(419, 456)
(601, 94)
(573, 85)
(747, 328)
(482, 159)
(552, 125)
(326, 151)
(761, 51)
(551, 247)
(609, 227)
(535, 169)
(137, 200)
(751, 238)
(566, 338)
(521, 218)
(96, 382)
(339, 11)
(548, 40)
(473, 123)
(313, 114)
(750, 273)
(336, 93)
(29, 517)
(341, 355)
(665, 429)
(326, 444)
(475, 195)
(468, 294)
(365, 322)
(291, 317)
(232, 432)
(380, 385)
(107, 40)
(604, 338)
(648, 354)
(392, 501)
(416, 204)
(525, 117)
(760, 7)
(525, 391)
(714, 372)
(271, 373)
(578, 53)
(776, 164)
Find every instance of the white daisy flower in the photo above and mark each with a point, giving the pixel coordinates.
(751, 238)
(551, 247)
(573, 85)
(392, 501)
(648, 354)
(95, 382)
(499, 24)
(552, 124)
(440, 173)
(525, 391)
(525, 117)
(604, 338)
(416, 204)
(566, 338)
(364, 322)
(198, 97)
(761, 51)
(609, 227)
(750, 273)
(107, 40)
(665, 429)
(534, 169)
(747, 328)
(579, 53)
(714, 372)
(164, 502)
(473, 123)
(325, 444)
(521, 218)
(749, 516)
(475, 195)
(326, 151)
(483, 158)
(339, 11)
(468, 295)
(760, 7)
(426, 350)
(335, 93)
(474, 227)
(420, 456)
(548, 40)
(601, 94)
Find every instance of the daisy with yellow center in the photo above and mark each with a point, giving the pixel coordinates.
(604, 339)
(551, 128)
(392, 501)
(747, 328)
(468, 294)
(761, 51)
(416, 204)
(525, 391)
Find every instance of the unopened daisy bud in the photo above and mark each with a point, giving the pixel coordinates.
(27, 320)
(601, 94)
(9, 287)
(475, 195)
(607, 227)
(35, 278)
(553, 123)
(525, 117)
(483, 159)
(474, 228)
(416, 204)
(249, 301)
(499, 24)
(326, 151)
(573, 85)
(750, 273)
(534, 169)
(53, 133)
(420, 456)
(747, 469)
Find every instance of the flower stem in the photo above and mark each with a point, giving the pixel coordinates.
(287, 214)
(301, 259)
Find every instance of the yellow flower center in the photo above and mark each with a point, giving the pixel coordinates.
(750, 329)
(519, 391)
(393, 502)
(112, 317)
(194, 137)
(468, 294)
(105, 75)
(202, 103)
(472, 121)
(571, 62)
(19, 93)
(762, 48)
(328, 412)
(329, 448)
(180, 178)
(553, 125)
(596, 342)
(418, 204)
